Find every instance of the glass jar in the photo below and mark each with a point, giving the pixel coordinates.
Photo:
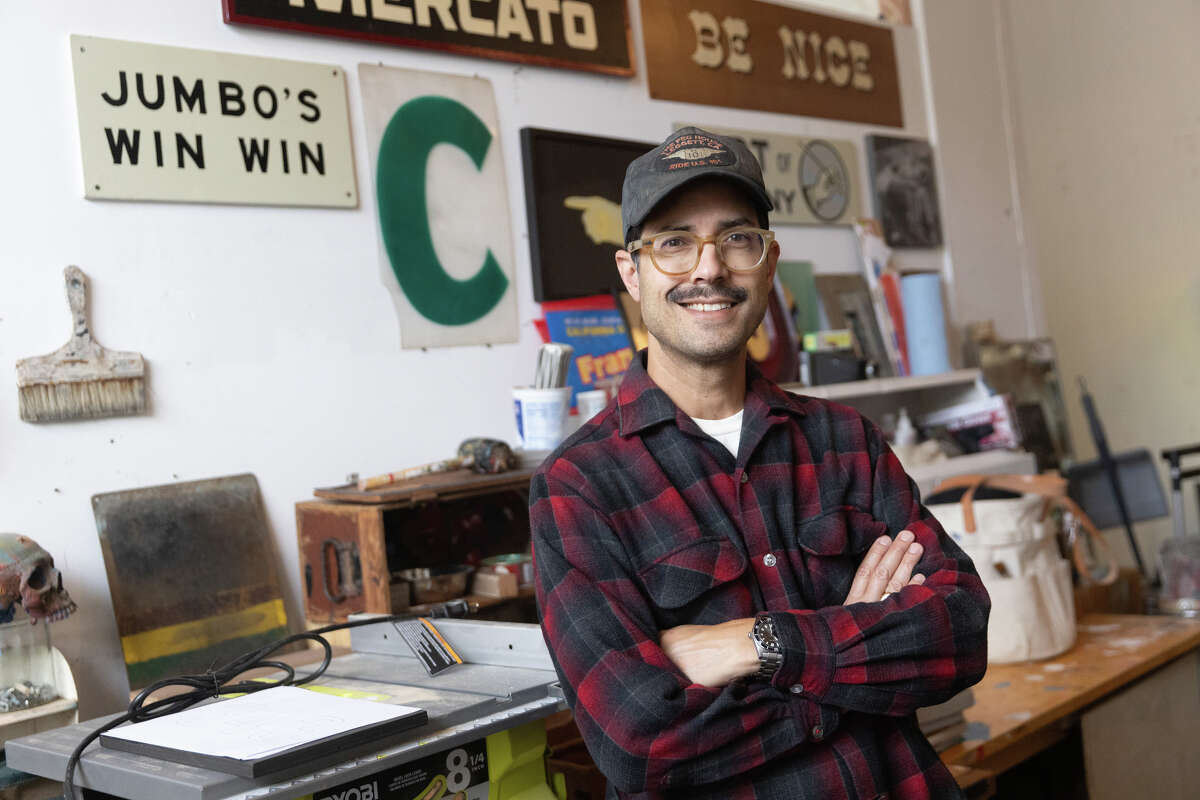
(26, 665)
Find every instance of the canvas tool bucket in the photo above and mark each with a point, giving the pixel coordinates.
(1015, 550)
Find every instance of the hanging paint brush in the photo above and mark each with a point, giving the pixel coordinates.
(81, 380)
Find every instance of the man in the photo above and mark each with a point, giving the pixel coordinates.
(739, 587)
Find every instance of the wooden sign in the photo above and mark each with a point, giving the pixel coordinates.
(442, 204)
(171, 123)
(811, 181)
(771, 58)
(591, 35)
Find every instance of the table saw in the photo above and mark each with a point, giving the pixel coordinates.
(484, 731)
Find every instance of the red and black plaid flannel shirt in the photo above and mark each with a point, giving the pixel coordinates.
(641, 522)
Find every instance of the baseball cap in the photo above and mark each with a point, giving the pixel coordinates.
(687, 155)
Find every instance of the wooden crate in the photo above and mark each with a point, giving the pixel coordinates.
(351, 542)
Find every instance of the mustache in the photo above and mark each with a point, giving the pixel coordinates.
(708, 294)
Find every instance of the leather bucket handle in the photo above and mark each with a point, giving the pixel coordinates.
(1051, 486)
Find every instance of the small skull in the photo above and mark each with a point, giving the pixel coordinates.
(28, 576)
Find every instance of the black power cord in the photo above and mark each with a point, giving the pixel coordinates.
(218, 682)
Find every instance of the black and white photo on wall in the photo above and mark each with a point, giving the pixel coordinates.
(904, 189)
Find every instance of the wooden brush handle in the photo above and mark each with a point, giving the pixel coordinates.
(81, 345)
(388, 478)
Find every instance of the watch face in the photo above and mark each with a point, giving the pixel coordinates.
(764, 631)
(824, 181)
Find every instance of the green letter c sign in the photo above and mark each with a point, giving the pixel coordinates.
(414, 130)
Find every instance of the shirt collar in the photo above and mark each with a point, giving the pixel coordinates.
(641, 403)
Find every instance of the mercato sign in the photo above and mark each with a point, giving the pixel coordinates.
(574, 34)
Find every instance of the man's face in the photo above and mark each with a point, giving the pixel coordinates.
(708, 315)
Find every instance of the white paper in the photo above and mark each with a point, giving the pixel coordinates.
(260, 724)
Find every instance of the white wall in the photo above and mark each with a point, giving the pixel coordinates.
(1107, 107)
(991, 265)
(272, 345)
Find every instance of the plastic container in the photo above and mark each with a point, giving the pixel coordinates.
(520, 564)
(591, 403)
(906, 434)
(541, 416)
(1179, 565)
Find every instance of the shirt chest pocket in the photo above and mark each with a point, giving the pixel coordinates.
(698, 583)
(833, 546)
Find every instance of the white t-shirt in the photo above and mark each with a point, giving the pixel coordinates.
(727, 431)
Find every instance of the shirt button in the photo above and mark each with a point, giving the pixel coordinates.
(798, 689)
(745, 478)
(769, 559)
(817, 733)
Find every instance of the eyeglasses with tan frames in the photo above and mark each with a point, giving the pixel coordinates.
(677, 253)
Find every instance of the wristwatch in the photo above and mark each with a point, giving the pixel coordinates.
(770, 653)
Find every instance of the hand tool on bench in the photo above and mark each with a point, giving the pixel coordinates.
(485, 456)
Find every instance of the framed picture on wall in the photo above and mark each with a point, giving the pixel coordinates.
(904, 188)
(573, 203)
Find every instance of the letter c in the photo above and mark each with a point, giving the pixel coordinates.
(413, 131)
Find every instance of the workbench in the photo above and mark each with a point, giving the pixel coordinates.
(1132, 683)
(507, 684)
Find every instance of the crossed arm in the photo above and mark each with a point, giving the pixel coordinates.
(717, 655)
(664, 708)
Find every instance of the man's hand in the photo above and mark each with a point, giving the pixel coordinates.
(717, 655)
(712, 655)
(886, 568)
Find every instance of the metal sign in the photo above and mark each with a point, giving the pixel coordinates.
(171, 123)
(590, 35)
(771, 58)
(811, 181)
(442, 204)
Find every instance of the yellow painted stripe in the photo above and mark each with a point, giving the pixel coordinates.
(350, 693)
(437, 635)
(202, 633)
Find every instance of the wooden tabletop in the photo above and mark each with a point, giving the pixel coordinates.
(1016, 705)
(436, 486)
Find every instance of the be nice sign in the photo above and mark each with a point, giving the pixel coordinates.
(771, 58)
(171, 123)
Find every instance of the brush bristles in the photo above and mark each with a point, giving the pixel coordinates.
(50, 402)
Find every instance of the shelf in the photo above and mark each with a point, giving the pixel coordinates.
(885, 386)
(480, 600)
(55, 706)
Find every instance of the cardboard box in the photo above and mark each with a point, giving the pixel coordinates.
(492, 583)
